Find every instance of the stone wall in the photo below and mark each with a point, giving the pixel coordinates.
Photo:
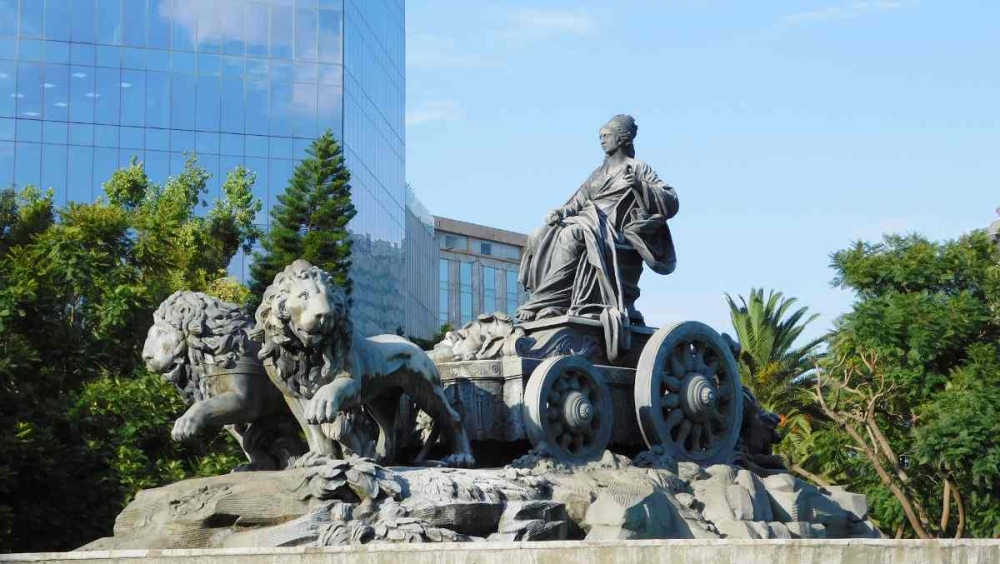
(602, 552)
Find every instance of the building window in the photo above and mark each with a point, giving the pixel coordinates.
(443, 293)
(465, 291)
(489, 289)
(511, 292)
(506, 251)
(454, 243)
(485, 248)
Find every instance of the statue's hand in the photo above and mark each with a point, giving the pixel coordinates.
(553, 217)
(630, 178)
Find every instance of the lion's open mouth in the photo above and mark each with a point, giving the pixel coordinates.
(175, 374)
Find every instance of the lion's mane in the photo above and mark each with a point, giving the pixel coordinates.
(215, 333)
(303, 369)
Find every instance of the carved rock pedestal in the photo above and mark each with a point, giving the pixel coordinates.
(334, 502)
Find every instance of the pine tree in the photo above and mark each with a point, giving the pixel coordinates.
(310, 220)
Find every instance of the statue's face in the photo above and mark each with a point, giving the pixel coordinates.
(160, 350)
(310, 310)
(610, 141)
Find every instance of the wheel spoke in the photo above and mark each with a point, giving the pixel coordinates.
(699, 356)
(696, 436)
(676, 366)
(553, 413)
(673, 419)
(711, 367)
(670, 401)
(564, 440)
(672, 384)
(709, 437)
(682, 433)
(725, 391)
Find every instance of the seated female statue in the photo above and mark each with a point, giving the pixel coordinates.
(588, 257)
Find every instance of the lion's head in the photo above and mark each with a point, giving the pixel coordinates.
(191, 330)
(304, 325)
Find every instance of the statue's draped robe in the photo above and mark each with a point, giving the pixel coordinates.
(574, 265)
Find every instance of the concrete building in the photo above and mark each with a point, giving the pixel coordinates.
(85, 85)
(477, 270)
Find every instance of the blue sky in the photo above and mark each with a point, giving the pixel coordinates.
(790, 128)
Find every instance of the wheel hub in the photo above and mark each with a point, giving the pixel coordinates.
(699, 397)
(578, 411)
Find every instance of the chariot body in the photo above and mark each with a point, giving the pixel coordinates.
(551, 382)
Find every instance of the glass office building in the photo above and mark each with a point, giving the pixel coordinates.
(85, 85)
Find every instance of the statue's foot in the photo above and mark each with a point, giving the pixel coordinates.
(459, 461)
(524, 315)
(551, 312)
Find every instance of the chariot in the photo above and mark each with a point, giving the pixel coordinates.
(552, 383)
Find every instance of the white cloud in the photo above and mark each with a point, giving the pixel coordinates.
(216, 20)
(434, 111)
(541, 25)
(853, 10)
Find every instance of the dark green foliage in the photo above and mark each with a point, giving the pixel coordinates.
(921, 352)
(310, 219)
(83, 427)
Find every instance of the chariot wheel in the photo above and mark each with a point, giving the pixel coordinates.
(688, 395)
(568, 409)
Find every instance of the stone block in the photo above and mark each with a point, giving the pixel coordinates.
(854, 504)
(740, 529)
(864, 530)
(778, 530)
(803, 530)
(758, 494)
(740, 502)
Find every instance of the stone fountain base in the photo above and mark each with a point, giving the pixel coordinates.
(325, 502)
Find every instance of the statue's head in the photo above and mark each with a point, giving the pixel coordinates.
(192, 329)
(164, 347)
(618, 134)
(304, 325)
(303, 304)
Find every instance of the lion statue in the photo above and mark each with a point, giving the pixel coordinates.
(312, 355)
(202, 346)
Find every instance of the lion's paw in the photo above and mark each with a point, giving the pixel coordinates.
(185, 428)
(459, 461)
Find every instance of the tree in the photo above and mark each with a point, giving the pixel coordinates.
(911, 383)
(770, 363)
(775, 370)
(310, 219)
(83, 426)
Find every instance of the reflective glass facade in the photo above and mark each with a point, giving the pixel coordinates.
(87, 84)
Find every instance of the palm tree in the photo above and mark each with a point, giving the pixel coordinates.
(776, 371)
(770, 363)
